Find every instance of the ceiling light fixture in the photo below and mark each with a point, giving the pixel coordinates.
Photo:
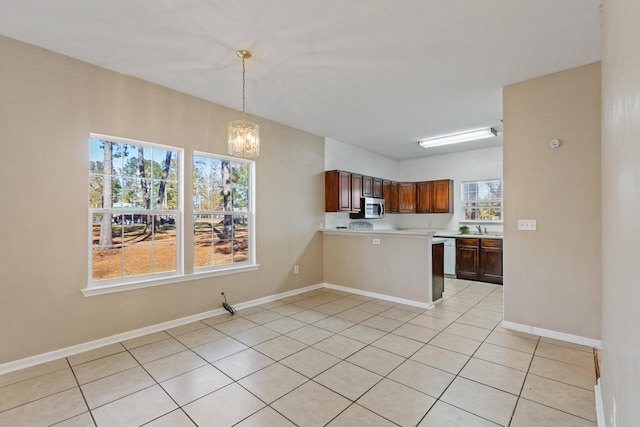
(471, 135)
(244, 136)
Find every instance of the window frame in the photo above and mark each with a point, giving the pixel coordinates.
(250, 212)
(183, 273)
(465, 203)
(124, 282)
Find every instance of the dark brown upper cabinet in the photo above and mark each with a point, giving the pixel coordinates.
(407, 197)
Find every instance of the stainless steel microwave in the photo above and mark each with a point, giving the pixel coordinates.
(370, 208)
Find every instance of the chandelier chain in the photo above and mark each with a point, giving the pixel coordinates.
(243, 91)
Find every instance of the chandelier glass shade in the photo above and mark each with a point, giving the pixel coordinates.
(243, 136)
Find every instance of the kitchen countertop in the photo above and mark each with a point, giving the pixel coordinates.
(390, 232)
(453, 233)
(417, 232)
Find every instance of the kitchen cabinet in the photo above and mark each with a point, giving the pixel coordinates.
(367, 186)
(479, 259)
(434, 196)
(337, 191)
(424, 196)
(407, 197)
(356, 191)
(442, 196)
(467, 258)
(343, 191)
(371, 187)
(490, 269)
(395, 196)
(437, 270)
(377, 188)
(390, 195)
(386, 194)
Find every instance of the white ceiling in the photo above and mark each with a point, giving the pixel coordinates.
(379, 74)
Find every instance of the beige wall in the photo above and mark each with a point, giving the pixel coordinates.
(620, 209)
(398, 266)
(553, 275)
(48, 107)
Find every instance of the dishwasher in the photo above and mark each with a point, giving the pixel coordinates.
(450, 257)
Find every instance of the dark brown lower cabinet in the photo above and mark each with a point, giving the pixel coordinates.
(437, 268)
(479, 259)
(467, 258)
(491, 260)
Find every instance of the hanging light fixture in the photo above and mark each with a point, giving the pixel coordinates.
(244, 136)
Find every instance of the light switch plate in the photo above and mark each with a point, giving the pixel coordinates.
(376, 241)
(527, 224)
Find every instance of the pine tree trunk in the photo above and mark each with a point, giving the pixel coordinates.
(106, 239)
(143, 185)
(161, 188)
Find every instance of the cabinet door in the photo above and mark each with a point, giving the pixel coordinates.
(337, 191)
(437, 269)
(467, 258)
(407, 197)
(386, 194)
(423, 197)
(356, 192)
(395, 197)
(442, 196)
(377, 187)
(491, 261)
(367, 186)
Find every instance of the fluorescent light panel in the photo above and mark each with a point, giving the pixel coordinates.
(456, 138)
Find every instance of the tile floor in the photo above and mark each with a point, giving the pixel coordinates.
(321, 358)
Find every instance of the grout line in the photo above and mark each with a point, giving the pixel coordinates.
(82, 393)
(523, 383)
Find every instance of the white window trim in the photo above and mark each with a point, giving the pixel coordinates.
(146, 280)
(140, 284)
(251, 214)
(464, 203)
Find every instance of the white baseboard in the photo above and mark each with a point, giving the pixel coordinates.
(425, 305)
(597, 389)
(91, 345)
(575, 339)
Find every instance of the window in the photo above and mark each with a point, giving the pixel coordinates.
(134, 210)
(482, 200)
(223, 211)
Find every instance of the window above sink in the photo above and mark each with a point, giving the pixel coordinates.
(482, 201)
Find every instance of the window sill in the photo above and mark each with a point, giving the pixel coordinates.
(110, 289)
(480, 221)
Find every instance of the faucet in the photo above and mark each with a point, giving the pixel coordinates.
(485, 230)
(479, 229)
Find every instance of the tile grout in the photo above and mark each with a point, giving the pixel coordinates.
(333, 333)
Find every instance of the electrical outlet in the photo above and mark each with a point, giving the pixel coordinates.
(376, 241)
(527, 224)
(296, 269)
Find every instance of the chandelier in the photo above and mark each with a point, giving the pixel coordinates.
(244, 136)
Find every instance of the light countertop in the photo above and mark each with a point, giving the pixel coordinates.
(389, 232)
(418, 232)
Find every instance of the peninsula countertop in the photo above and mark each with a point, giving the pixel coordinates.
(388, 232)
(412, 232)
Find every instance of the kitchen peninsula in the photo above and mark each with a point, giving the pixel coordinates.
(393, 263)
